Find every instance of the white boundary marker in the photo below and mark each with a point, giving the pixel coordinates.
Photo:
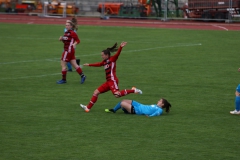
(26, 77)
(146, 49)
(221, 27)
(54, 59)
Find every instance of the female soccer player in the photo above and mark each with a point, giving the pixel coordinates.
(75, 28)
(70, 40)
(237, 99)
(109, 63)
(134, 107)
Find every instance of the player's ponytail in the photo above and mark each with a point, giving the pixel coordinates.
(167, 105)
(74, 22)
(110, 49)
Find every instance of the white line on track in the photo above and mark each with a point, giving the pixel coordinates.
(221, 27)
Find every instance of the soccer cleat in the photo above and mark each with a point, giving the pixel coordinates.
(137, 91)
(109, 111)
(235, 112)
(61, 81)
(83, 78)
(84, 107)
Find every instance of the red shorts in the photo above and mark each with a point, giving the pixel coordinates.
(68, 56)
(109, 85)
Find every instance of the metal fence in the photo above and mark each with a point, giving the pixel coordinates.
(206, 10)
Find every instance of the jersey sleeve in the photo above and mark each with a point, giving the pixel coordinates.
(115, 56)
(99, 64)
(75, 37)
(157, 113)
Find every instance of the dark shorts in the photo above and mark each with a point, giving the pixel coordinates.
(132, 110)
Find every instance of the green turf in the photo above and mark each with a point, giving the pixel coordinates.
(195, 70)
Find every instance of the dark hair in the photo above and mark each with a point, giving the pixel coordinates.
(111, 49)
(74, 22)
(166, 105)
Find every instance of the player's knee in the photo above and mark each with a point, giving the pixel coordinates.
(96, 92)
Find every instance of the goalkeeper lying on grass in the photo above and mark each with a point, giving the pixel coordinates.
(134, 107)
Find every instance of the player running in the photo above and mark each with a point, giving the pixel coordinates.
(70, 40)
(109, 63)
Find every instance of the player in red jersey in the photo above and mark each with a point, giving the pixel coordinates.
(70, 40)
(109, 63)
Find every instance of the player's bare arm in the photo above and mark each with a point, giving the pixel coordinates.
(123, 44)
(75, 44)
(60, 38)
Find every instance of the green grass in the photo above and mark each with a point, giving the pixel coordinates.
(195, 70)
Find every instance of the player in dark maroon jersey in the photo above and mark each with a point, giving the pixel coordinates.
(109, 63)
(70, 40)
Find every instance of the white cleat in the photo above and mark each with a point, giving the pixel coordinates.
(84, 107)
(137, 91)
(235, 112)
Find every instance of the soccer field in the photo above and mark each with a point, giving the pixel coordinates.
(195, 70)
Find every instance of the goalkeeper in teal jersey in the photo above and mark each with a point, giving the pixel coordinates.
(134, 107)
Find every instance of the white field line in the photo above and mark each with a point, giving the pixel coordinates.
(146, 49)
(221, 27)
(26, 77)
(54, 59)
(180, 45)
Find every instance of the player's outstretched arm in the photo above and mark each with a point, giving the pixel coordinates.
(238, 69)
(86, 64)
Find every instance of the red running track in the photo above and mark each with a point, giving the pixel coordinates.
(193, 25)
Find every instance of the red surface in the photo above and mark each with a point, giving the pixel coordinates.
(194, 25)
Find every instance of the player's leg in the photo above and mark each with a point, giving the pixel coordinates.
(64, 73)
(127, 105)
(79, 70)
(91, 102)
(103, 88)
(237, 101)
(115, 90)
(64, 61)
(128, 91)
(119, 106)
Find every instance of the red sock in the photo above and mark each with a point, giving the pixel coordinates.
(64, 75)
(126, 92)
(79, 70)
(92, 101)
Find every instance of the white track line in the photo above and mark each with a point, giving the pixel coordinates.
(221, 27)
